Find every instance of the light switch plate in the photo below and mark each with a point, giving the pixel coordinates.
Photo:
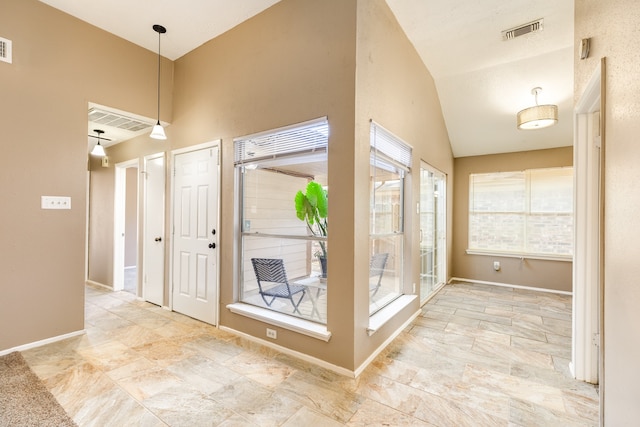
(55, 202)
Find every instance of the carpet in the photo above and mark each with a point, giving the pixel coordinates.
(24, 399)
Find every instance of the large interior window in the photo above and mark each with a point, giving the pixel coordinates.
(280, 257)
(390, 163)
(526, 212)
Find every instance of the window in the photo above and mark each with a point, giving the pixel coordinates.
(524, 212)
(390, 163)
(271, 168)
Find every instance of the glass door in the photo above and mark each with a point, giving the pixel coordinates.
(433, 231)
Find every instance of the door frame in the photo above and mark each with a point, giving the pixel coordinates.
(119, 195)
(172, 161)
(588, 268)
(427, 166)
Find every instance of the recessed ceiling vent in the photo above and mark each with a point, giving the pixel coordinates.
(119, 121)
(521, 30)
(5, 50)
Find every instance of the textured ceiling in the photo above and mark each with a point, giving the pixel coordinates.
(482, 81)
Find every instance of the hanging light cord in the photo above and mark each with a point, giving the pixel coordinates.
(159, 35)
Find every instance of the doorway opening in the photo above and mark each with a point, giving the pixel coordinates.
(125, 257)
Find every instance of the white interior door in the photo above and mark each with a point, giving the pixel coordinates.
(153, 246)
(195, 222)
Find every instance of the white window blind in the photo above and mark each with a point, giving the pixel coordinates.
(393, 149)
(308, 137)
(524, 212)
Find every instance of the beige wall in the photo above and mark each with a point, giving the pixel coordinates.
(131, 218)
(556, 275)
(394, 89)
(258, 77)
(55, 72)
(101, 213)
(613, 28)
(291, 63)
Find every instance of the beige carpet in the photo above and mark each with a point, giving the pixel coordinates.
(24, 399)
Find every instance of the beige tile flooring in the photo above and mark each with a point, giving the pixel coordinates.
(476, 356)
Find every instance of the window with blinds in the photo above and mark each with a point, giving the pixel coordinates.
(271, 168)
(303, 138)
(526, 212)
(390, 162)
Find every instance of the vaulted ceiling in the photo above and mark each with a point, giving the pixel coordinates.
(482, 79)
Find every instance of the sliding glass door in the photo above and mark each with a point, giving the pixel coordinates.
(433, 231)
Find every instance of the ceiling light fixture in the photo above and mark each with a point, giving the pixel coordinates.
(158, 130)
(98, 150)
(538, 117)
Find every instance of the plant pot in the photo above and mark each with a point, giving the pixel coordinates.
(323, 266)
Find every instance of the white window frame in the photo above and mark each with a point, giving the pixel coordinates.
(276, 146)
(526, 212)
(387, 151)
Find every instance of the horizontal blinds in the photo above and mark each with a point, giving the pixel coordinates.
(393, 148)
(301, 138)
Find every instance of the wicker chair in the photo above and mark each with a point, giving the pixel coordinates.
(271, 271)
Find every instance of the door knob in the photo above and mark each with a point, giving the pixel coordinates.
(158, 239)
(212, 245)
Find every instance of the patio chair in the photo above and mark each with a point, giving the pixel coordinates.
(376, 270)
(271, 270)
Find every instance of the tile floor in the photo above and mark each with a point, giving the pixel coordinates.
(476, 356)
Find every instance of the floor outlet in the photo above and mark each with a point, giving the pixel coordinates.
(272, 333)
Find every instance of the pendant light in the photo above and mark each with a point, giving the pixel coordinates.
(158, 130)
(98, 150)
(539, 116)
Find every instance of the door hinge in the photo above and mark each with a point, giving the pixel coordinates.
(596, 339)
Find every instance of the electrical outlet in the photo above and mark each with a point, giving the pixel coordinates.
(272, 333)
(55, 202)
(496, 265)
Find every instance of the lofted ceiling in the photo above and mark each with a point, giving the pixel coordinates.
(482, 80)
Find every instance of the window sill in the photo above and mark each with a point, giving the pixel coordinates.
(301, 326)
(379, 319)
(566, 258)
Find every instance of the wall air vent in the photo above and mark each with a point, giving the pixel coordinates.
(5, 50)
(109, 118)
(521, 30)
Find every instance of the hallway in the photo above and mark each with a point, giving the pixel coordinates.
(477, 355)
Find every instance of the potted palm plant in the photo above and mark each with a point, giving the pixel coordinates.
(311, 207)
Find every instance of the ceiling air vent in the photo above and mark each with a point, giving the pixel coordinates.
(521, 30)
(5, 50)
(109, 118)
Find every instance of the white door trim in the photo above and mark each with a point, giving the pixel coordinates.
(119, 196)
(587, 265)
(211, 144)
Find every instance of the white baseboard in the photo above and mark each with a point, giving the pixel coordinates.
(508, 285)
(42, 342)
(382, 346)
(319, 362)
(101, 285)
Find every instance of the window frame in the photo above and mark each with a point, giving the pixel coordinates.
(389, 152)
(526, 213)
(289, 149)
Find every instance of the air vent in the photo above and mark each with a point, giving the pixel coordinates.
(521, 30)
(109, 118)
(5, 50)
